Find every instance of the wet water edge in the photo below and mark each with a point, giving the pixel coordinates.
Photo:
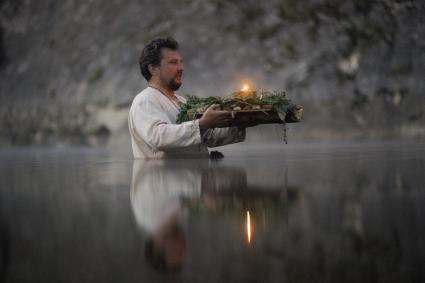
(319, 212)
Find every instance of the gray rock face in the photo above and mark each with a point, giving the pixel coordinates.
(69, 69)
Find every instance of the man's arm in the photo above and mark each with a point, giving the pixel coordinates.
(217, 134)
(222, 136)
(154, 127)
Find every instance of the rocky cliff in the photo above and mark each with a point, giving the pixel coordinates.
(68, 69)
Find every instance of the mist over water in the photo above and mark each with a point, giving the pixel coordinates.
(346, 212)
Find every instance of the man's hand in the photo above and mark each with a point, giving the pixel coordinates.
(215, 118)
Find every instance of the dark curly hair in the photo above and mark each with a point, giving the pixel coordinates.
(154, 257)
(151, 54)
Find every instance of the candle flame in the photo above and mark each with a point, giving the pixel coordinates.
(248, 226)
(245, 87)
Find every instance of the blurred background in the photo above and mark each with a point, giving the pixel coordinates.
(69, 69)
(343, 202)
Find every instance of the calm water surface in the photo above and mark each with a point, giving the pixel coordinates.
(278, 213)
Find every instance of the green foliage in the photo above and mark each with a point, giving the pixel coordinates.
(198, 104)
(277, 100)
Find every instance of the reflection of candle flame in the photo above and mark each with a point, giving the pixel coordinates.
(248, 226)
(245, 87)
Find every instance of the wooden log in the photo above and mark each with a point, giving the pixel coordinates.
(257, 116)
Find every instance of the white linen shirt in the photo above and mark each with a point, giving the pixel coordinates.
(155, 134)
(157, 189)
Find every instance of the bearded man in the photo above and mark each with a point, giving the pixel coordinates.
(153, 113)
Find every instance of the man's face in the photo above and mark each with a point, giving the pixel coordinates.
(171, 68)
(170, 242)
(174, 248)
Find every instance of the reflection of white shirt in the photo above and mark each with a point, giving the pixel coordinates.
(154, 133)
(156, 190)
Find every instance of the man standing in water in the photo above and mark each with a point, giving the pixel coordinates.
(153, 113)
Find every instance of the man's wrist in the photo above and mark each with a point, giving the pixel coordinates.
(202, 125)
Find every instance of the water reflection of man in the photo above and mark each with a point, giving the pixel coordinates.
(166, 248)
(156, 191)
(163, 190)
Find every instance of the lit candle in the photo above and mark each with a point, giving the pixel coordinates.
(245, 87)
(248, 226)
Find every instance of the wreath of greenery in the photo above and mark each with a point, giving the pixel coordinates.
(241, 100)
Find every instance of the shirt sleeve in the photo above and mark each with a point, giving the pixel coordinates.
(154, 127)
(222, 136)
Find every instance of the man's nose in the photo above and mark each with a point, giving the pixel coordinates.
(181, 66)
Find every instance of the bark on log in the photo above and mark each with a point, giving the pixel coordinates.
(264, 116)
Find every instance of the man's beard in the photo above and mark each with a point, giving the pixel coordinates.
(172, 84)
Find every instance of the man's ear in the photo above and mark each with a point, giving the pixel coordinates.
(153, 69)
